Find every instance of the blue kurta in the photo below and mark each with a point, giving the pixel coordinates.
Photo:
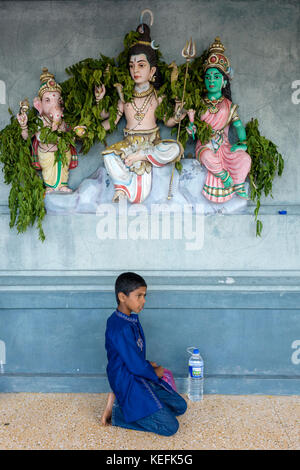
(129, 373)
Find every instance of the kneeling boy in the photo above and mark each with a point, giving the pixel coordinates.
(144, 401)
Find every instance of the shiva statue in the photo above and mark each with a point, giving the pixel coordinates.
(228, 165)
(129, 162)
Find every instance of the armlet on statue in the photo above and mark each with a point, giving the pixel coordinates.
(233, 115)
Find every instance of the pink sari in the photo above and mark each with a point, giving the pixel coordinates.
(221, 158)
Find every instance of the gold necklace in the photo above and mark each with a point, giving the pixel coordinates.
(212, 104)
(139, 115)
(142, 94)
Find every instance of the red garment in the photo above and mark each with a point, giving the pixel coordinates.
(35, 159)
(236, 163)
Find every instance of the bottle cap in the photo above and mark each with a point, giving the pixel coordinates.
(196, 351)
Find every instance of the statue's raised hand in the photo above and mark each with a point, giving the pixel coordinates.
(179, 111)
(23, 120)
(191, 128)
(99, 92)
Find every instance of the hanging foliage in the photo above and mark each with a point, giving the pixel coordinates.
(61, 139)
(79, 93)
(172, 89)
(267, 162)
(26, 197)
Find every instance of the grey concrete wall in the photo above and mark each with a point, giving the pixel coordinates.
(236, 296)
(262, 42)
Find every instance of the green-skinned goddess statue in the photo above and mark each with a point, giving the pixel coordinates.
(228, 165)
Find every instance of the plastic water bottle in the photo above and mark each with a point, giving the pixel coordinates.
(196, 377)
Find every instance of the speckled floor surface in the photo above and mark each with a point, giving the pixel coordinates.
(72, 421)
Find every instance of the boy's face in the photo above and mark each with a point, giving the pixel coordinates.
(135, 301)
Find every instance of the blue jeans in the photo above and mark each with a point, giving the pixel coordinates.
(161, 422)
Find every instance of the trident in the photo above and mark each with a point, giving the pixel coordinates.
(188, 52)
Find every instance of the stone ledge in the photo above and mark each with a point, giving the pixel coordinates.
(103, 281)
(265, 209)
(222, 384)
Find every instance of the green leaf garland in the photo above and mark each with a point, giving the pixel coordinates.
(26, 198)
(267, 162)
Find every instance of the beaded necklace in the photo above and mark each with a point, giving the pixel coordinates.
(139, 111)
(212, 104)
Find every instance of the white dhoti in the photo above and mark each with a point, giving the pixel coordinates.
(136, 181)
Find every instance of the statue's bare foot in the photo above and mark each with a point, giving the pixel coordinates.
(243, 195)
(65, 189)
(119, 194)
(50, 190)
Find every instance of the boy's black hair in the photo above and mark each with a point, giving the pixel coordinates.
(128, 282)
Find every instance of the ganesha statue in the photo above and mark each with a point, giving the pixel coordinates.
(228, 165)
(49, 104)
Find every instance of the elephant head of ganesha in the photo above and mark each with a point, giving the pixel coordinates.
(49, 101)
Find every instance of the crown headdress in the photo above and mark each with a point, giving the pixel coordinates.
(48, 83)
(217, 58)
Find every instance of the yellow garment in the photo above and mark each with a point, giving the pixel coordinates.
(136, 140)
(54, 174)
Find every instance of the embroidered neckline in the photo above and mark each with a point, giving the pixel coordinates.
(125, 317)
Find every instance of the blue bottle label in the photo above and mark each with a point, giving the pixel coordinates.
(196, 372)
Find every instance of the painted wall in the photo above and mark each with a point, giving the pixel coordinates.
(56, 296)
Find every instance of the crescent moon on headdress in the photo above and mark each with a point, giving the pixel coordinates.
(151, 16)
(153, 46)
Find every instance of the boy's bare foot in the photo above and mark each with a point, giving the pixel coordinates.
(106, 416)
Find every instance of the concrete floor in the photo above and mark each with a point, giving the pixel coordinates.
(71, 421)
